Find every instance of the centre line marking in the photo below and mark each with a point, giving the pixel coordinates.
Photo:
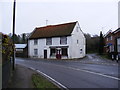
(92, 72)
(85, 71)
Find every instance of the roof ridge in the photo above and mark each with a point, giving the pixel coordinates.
(57, 24)
(64, 29)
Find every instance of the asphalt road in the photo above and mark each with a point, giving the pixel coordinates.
(85, 73)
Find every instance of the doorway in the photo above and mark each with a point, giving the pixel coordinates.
(58, 53)
(45, 54)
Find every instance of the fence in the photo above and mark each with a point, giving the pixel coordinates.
(6, 73)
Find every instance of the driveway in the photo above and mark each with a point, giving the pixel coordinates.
(84, 73)
(96, 59)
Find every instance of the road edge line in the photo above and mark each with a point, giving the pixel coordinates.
(51, 79)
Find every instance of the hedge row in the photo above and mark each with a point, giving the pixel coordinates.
(7, 47)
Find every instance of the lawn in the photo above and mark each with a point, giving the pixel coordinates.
(41, 82)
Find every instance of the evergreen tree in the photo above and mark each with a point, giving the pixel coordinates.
(16, 38)
(101, 44)
(92, 43)
(23, 38)
(19, 38)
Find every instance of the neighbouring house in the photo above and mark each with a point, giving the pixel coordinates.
(21, 50)
(112, 43)
(63, 41)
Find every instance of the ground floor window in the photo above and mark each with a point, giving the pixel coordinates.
(35, 52)
(111, 48)
(52, 51)
(64, 52)
(118, 45)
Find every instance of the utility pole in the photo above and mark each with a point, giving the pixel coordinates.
(14, 34)
(119, 14)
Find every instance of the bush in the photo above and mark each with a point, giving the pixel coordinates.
(7, 47)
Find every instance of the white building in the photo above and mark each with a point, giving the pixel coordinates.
(65, 41)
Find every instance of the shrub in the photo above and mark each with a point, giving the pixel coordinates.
(6, 49)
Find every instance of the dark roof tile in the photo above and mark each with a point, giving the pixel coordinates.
(53, 31)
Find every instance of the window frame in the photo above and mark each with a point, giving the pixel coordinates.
(35, 52)
(64, 53)
(63, 40)
(111, 38)
(118, 44)
(35, 41)
(77, 29)
(48, 41)
(77, 41)
(52, 53)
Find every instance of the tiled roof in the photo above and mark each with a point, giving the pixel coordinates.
(53, 31)
(110, 32)
(116, 31)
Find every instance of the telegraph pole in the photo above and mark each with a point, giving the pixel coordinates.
(14, 34)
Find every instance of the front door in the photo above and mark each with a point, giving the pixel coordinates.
(58, 54)
(45, 54)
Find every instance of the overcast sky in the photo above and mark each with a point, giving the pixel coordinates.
(92, 15)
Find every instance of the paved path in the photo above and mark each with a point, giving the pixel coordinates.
(96, 59)
(21, 77)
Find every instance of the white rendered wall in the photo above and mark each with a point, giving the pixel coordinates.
(41, 46)
(73, 47)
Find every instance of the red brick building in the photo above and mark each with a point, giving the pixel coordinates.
(112, 43)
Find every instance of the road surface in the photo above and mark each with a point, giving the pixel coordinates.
(84, 73)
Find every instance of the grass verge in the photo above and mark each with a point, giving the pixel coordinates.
(41, 82)
(105, 56)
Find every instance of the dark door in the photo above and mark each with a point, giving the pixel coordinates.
(58, 55)
(45, 53)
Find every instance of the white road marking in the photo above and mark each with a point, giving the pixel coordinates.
(56, 82)
(93, 73)
(101, 74)
(81, 70)
(87, 71)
